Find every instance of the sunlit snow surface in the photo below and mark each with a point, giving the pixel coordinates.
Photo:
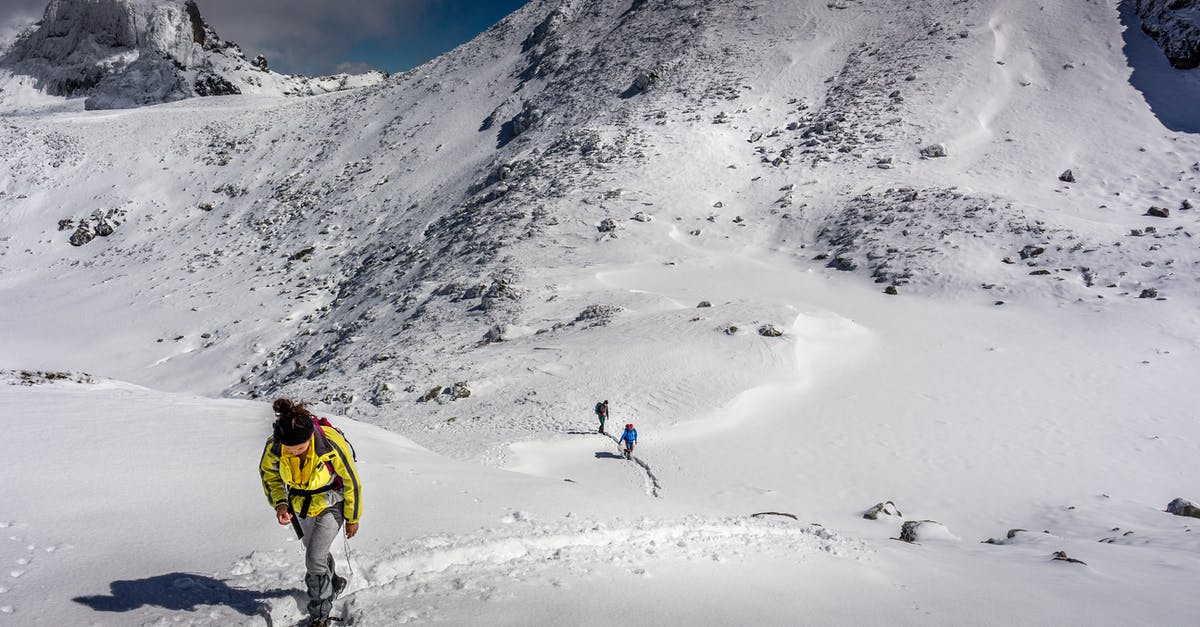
(356, 250)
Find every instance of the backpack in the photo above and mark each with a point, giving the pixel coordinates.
(322, 423)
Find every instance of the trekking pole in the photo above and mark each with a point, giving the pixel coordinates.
(349, 563)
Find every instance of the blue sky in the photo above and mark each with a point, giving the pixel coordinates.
(326, 36)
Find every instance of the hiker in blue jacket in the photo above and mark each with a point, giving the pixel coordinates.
(628, 438)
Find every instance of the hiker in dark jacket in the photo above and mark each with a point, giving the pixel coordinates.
(601, 410)
(308, 476)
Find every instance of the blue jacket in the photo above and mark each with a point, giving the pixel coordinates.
(629, 435)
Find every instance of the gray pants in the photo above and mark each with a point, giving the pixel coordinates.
(319, 533)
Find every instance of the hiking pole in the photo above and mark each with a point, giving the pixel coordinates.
(349, 563)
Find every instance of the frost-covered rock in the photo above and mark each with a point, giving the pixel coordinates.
(769, 330)
(886, 508)
(130, 53)
(921, 530)
(1175, 25)
(1182, 507)
(933, 151)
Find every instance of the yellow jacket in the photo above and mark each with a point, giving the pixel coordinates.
(331, 481)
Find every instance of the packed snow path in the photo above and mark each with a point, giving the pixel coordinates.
(429, 575)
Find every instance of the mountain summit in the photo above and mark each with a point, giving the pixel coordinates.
(128, 53)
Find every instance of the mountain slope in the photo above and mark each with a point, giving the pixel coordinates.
(384, 238)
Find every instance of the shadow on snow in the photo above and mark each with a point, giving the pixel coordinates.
(182, 592)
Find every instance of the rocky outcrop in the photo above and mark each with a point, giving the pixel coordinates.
(131, 53)
(1175, 26)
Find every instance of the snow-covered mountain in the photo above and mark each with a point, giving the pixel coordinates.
(129, 53)
(824, 254)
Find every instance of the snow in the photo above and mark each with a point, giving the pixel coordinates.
(355, 249)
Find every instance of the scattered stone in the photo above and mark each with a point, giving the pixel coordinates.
(887, 508)
(81, 236)
(842, 263)
(1061, 556)
(1181, 507)
(933, 151)
(1158, 212)
(66, 224)
(1012, 533)
(1149, 292)
(1067, 177)
(891, 290)
(458, 390)
(1039, 273)
(1031, 251)
(641, 216)
(703, 304)
(730, 330)
(1185, 205)
(915, 530)
(607, 225)
(784, 514)
(769, 330)
(431, 394)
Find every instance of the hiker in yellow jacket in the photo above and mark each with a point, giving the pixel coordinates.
(309, 478)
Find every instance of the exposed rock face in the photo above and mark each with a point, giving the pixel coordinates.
(1175, 25)
(119, 52)
(131, 53)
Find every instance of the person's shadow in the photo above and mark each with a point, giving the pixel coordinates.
(608, 455)
(183, 592)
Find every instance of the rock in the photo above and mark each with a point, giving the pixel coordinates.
(1012, 533)
(1175, 26)
(641, 216)
(81, 236)
(1158, 212)
(1030, 251)
(933, 151)
(730, 330)
(916, 530)
(769, 330)
(103, 229)
(494, 334)
(260, 63)
(433, 393)
(842, 263)
(1149, 292)
(66, 224)
(1039, 273)
(1181, 507)
(458, 391)
(1185, 205)
(703, 304)
(1067, 177)
(891, 290)
(1061, 556)
(607, 225)
(887, 508)
(598, 314)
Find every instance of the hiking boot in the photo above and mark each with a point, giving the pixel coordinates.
(339, 584)
(320, 622)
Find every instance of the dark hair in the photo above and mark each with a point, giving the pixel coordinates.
(294, 423)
